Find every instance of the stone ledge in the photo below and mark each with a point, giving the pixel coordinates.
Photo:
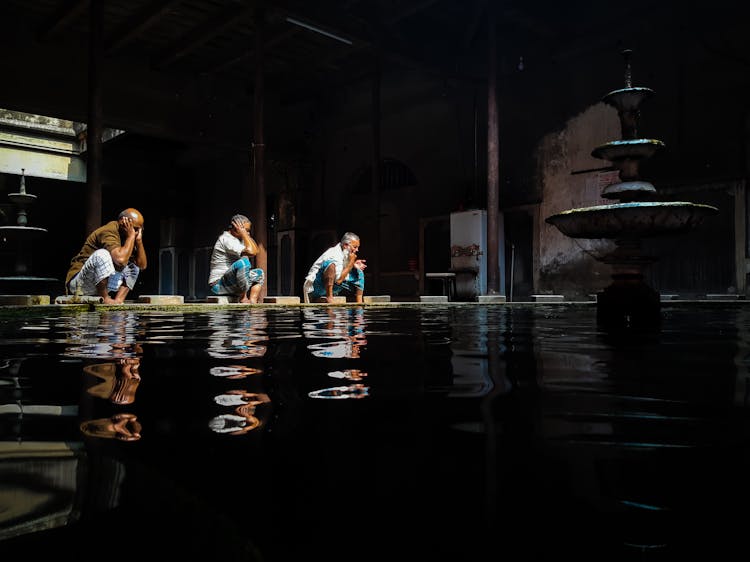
(547, 298)
(77, 299)
(24, 300)
(666, 297)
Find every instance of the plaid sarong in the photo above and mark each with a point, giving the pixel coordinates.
(100, 266)
(238, 279)
(355, 280)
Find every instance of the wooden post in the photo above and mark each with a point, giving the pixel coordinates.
(94, 127)
(493, 163)
(740, 237)
(374, 265)
(260, 229)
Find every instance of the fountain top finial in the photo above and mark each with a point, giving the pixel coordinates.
(626, 54)
(23, 181)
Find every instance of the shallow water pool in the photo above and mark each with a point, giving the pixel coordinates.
(461, 432)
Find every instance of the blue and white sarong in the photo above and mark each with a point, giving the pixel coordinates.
(353, 282)
(238, 279)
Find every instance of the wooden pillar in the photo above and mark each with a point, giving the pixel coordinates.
(258, 212)
(740, 237)
(94, 125)
(493, 163)
(374, 265)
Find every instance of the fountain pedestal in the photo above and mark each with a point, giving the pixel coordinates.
(628, 300)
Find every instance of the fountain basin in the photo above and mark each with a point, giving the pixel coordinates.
(21, 232)
(643, 219)
(627, 99)
(22, 198)
(629, 148)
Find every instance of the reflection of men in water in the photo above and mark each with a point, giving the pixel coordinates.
(119, 380)
(104, 336)
(123, 427)
(353, 391)
(241, 398)
(243, 419)
(344, 327)
(235, 371)
(238, 336)
(350, 374)
(336, 271)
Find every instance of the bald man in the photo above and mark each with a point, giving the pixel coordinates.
(110, 260)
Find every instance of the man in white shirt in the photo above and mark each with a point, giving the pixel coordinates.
(336, 271)
(232, 272)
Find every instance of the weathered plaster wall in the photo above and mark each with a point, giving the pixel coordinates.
(572, 178)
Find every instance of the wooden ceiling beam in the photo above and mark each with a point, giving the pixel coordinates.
(146, 17)
(249, 52)
(198, 36)
(68, 13)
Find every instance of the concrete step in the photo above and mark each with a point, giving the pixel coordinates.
(221, 299)
(282, 299)
(491, 299)
(433, 298)
(370, 299)
(162, 299)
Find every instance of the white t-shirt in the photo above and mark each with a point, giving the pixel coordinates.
(227, 250)
(335, 253)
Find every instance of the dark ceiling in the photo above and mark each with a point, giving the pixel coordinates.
(310, 48)
(217, 38)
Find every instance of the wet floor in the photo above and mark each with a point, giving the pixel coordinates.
(515, 432)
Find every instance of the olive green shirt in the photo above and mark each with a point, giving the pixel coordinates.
(106, 236)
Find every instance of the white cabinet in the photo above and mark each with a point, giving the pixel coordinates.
(468, 231)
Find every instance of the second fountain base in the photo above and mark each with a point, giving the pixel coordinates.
(628, 304)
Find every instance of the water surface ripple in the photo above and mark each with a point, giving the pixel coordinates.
(517, 432)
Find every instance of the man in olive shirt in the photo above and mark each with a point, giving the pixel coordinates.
(110, 260)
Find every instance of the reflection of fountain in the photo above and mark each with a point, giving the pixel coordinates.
(628, 300)
(19, 280)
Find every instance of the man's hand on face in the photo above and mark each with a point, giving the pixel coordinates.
(238, 229)
(128, 226)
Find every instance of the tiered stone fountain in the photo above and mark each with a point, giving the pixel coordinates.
(16, 240)
(628, 301)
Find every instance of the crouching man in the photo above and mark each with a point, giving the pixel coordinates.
(336, 271)
(110, 260)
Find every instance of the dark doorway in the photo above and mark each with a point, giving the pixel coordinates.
(519, 271)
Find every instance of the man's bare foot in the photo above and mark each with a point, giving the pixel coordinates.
(109, 300)
(329, 300)
(245, 300)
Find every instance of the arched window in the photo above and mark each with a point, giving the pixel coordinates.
(394, 174)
